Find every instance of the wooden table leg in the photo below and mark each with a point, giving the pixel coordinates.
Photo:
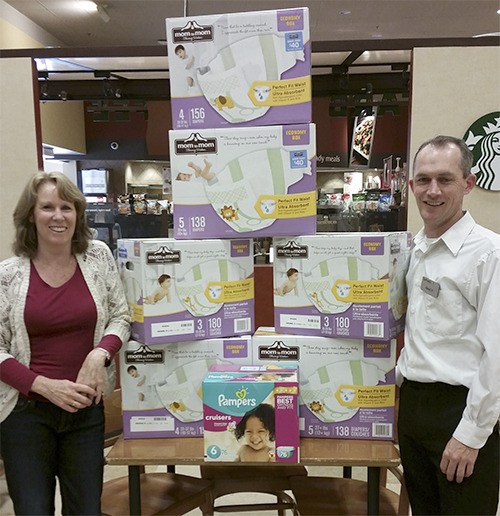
(134, 490)
(373, 491)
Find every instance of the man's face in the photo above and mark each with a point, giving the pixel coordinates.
(439, 187)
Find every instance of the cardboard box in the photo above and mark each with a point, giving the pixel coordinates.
(161, 386)
(244, 182)
(250, 414)
(251, 68)
(348, 285)
(182, 290)
(347, 386)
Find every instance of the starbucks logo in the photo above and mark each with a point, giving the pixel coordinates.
(483, 139)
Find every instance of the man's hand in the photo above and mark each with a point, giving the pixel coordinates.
(458, 460)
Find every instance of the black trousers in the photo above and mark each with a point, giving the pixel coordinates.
(428, 416)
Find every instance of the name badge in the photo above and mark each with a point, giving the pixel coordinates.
(430, 287)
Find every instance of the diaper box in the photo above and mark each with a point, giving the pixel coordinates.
(161, 385)
(347, 285)
(182, 290)
(248, 181)
(347, 386)
(240, 69)
(250, 414)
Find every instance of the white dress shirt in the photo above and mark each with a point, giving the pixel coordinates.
(454, 337)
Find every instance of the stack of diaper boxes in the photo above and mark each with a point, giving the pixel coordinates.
(242, 148)
(339, 303)
(192, 306)
(237, 172)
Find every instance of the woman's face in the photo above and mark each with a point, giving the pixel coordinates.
(256, 436)
(54, 218)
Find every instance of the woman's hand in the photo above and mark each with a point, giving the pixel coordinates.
(67, 395)
(92, 373)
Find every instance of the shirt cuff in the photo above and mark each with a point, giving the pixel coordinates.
(470, 435)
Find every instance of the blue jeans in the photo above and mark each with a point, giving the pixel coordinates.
(39, 442)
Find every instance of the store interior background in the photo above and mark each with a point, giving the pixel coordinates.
(412, 36)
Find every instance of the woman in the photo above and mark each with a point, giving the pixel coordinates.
(63, 316)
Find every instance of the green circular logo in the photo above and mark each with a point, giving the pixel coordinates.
(483, 139)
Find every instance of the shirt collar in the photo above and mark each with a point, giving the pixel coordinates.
(453, 238)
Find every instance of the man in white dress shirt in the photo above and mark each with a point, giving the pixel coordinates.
(450, 364)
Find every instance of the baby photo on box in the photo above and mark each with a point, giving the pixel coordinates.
(250, 414)
(250, 181)
(161, 385)
(181, 290)
(349, 285)
(245, 68)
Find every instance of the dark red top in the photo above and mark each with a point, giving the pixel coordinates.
(61, 323)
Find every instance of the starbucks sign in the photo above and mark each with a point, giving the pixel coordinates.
(483, 139)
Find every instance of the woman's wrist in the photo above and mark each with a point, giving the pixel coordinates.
(106, 354)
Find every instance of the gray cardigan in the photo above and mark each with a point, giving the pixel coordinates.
(100, 273)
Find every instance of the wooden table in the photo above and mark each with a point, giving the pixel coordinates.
(135, 453)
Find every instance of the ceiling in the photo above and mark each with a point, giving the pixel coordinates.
(369, 40)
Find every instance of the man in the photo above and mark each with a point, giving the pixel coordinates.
(450, 364)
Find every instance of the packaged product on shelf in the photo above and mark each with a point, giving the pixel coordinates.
(250, 68)
(181, 290)
(347, 386)
(161, 385)
(347, 285)
(249, 181)
(250, 414)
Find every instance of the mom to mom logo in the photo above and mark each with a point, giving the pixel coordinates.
(483, 139)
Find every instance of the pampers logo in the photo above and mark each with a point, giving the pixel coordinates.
(195, 144)
(192, 31)
(240, 400)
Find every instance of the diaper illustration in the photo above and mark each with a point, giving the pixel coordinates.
(236, 190)
(226, 81)
(200, 290)
(180, 394)
(319, 389)
(324, 286)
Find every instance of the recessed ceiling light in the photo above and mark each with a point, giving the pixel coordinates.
(86, 5)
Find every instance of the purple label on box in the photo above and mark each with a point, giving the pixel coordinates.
(366, 321)
(377, 349)
(291, 19)
(372, 246)
(183, 108)
(235, 349)
(240, 248)
(296, 135)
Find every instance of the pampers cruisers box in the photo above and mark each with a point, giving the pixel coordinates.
(161, 385)
(181, 290)
(251, 68)
(348, 285)
(250, 181)
(347, 386)
(250, 414)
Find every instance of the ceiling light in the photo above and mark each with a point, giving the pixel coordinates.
(103, 13)
(87, 5)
